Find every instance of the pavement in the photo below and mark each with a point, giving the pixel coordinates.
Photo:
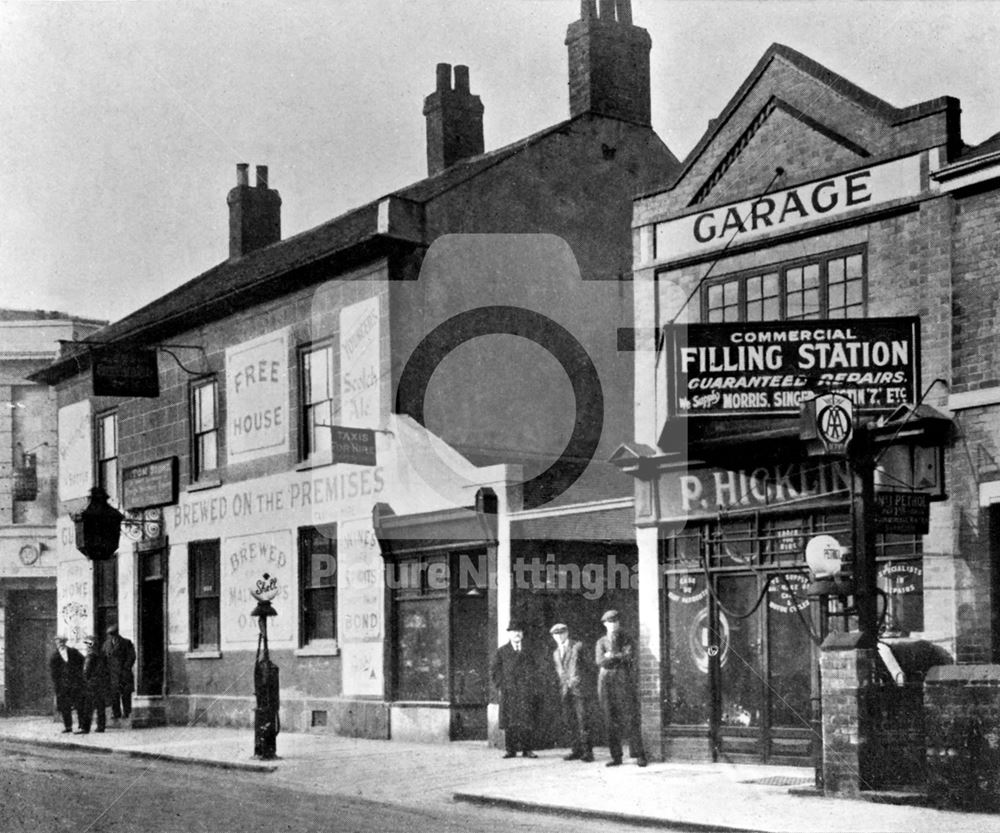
(676, 796)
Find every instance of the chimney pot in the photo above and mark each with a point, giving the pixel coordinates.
(443, 77)
(454, 120)
(254, 213)
(609, 63)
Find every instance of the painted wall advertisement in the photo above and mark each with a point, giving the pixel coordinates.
(706, 491)
(359, 364)
(75, 472)
(257, 397)
(769, 368)
(74, 580)
(788, 209)
(361, 605)
(245, 559)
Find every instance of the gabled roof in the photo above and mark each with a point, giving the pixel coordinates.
(877, 107)
(390, 224)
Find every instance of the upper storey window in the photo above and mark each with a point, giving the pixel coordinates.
(107, 455)
(319, 407)
(827, 286)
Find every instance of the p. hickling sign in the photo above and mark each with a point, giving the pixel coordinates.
(769, 368)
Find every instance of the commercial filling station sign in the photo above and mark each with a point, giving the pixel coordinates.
(770, 368)
(788, 209)
(257, 397)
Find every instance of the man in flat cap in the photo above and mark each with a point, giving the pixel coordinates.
(66, 669)
(615, 656)
(120, 654)
(574, 690)
(513, 674)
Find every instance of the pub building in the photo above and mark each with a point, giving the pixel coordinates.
(817, 241)
(404, 415)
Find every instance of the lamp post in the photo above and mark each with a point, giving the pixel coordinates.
(265, 674)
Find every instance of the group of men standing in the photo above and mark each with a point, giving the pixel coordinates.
(515, 676)
(90, 682)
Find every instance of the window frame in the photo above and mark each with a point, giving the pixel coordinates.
(199, 471)
(102, 459)
(308, 536)
(199, 599)
(309, 450)
(105, 606)
(718, 285)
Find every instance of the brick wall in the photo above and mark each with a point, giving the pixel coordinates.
(962, 710)
(848, 675)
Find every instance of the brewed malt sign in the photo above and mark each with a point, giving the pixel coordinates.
(769, 368)
(151, 484)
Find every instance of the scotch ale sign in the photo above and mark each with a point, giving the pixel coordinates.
(769, 368)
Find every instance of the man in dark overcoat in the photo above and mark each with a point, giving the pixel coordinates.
(66, 670)
(575, 692)
(120, 654)
(513, 674)
(615, 655)
(95, 686)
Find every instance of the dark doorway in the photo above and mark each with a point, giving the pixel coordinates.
(30, 629)
(152, 634)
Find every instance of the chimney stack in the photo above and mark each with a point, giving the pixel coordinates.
(609, 63)
(454, 120)
(254, 213)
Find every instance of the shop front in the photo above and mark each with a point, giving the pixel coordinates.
(740, 632)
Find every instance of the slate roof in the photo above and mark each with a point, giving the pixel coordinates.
(228, 285)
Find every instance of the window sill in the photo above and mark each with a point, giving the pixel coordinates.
(328, 648)
(317, 462)
(203, 655)
(207, 483)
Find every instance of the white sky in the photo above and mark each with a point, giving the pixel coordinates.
(121, 123)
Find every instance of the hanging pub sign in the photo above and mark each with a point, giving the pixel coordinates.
(901, 513)
(352, 445)
(151, 484)
(125, 372)
(770, 368)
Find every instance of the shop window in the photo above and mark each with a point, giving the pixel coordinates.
(901, 579)
(318, 585)
(318, 385)
(107, 455)
(105, 596)
(205, 419)
(421, 587)
(827, 286)
(203, 565)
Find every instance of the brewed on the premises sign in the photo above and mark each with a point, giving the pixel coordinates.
(769, 368)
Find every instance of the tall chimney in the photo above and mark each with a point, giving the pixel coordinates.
(454, 120)
(254, 213)
(609, 62)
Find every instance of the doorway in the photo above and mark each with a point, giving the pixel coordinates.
(30, 628)
(152, 621)
(761, 655)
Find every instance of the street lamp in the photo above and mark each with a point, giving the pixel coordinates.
(265, 674)
(98, 527)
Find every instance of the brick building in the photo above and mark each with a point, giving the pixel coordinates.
(29, 340)
(812, 207)
(470, 321)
